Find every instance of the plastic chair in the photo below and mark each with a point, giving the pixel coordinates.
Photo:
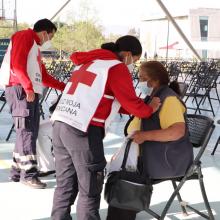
(200, 129)
(216, 145)
(183, 88)
(2, 99)
(204, 80)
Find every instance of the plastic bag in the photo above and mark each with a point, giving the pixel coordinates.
(45, 157)
(116, 161)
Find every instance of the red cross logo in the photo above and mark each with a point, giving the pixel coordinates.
(81, 76)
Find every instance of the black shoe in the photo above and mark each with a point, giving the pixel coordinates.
(42, 174)
(34, 183)
(14, 178)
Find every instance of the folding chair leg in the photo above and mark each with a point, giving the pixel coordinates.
(172, 197)
(42, 112)
(216, 90)
(180, 200)
(198, 104)
(3, 106)
(9, 134)
(217, 143)
(211, 106)
(204, 100)
(202, 187)
(56, 92)
(187, 97)
(48, 93)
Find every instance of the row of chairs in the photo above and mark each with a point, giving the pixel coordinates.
(202, 86)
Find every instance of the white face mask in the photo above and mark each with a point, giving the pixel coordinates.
(144, 89)
(130, 67)
(47, 44)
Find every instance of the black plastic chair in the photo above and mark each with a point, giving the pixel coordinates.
(2, 99)
(216, 145)
(183, 88)
(204, 80)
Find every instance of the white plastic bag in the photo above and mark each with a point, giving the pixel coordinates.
(117, 158)
(45, 158)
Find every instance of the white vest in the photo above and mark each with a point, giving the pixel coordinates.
(79, 101)
(33, 68)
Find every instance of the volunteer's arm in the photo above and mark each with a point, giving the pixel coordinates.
(172, 133)
(21, 46)
(120, 82)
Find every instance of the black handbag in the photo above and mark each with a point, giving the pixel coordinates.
(128, 190)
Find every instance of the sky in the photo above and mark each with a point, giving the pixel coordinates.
(124, 14)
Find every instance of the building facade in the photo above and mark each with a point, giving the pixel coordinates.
(159, 37)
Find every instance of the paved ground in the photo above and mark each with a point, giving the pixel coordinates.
(22, 203)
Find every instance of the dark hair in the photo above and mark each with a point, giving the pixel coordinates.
(125, 43)
(44, 25)
(174, 85)
(157, 72)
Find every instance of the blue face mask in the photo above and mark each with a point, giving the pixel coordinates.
(144, 89)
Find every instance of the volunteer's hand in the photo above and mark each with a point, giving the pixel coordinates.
(30, 96)
(155, 103)
(139, 137)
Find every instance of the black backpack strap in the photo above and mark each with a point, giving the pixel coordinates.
(127, 124)
(127, 148)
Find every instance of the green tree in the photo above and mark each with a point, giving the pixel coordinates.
(6, 29)
(112, 37)
(23, 26)
(81, 35)
(82, 31)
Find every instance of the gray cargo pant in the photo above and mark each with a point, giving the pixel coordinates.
(26, 118)
(79, 161)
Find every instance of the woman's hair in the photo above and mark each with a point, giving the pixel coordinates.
(157, 72)
(125, 43)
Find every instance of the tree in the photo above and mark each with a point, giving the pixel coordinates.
(23, 26)
(112, 37)
(6, 29)
(81, 35)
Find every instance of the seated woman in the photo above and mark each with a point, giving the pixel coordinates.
(166, 148)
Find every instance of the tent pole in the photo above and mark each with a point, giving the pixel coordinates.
(60, 10)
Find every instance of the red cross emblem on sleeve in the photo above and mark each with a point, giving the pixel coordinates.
(81, 76)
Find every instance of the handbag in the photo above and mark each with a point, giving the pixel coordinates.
(128, 190)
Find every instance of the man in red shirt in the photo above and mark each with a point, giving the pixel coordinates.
(24, 80)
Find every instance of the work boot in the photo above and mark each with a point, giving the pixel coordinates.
(34, 183)
(14, 178)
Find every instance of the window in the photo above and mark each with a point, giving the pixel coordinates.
(203, 20)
